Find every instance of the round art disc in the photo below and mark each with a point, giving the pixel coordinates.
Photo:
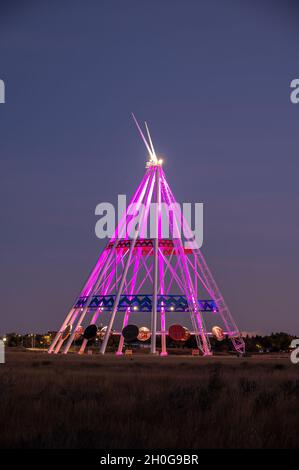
(79, 332)
(186, 335)
(130, 332)
(66, 333)
(90, 332)
(102, 331)
(176, 332)
(144, 333)
(218, 333)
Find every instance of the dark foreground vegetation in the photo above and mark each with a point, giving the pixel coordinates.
(148, 402)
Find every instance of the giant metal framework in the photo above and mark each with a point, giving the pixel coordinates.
(156, 275)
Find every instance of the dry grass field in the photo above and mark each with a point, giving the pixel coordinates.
(148, 402)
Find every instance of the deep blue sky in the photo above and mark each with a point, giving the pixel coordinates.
(212, 79)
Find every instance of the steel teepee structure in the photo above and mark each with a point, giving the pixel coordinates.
(157, 278)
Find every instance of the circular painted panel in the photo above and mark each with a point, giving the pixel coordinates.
(130, 332)
(90, 332)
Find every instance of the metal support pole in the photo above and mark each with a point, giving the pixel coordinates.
(85, 341)
(116, 302)
(122, 339)
(126, 268)
(57, 343)
(71, 338)
(128, 311)
(59, 333)
(161, 279)
(156, 253)
(195, 314)
(101, 276)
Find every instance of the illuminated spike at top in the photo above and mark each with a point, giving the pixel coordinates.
(149, 146)
(150, 140)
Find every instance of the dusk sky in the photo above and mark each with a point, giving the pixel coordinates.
(212, 79)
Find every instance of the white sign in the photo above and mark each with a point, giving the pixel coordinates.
(295, 353)
(294, 96)
(2, 92)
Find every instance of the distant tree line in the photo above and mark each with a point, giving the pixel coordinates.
(275, 342)
(272, 343)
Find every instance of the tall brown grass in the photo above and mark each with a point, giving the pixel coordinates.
(147, 402)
